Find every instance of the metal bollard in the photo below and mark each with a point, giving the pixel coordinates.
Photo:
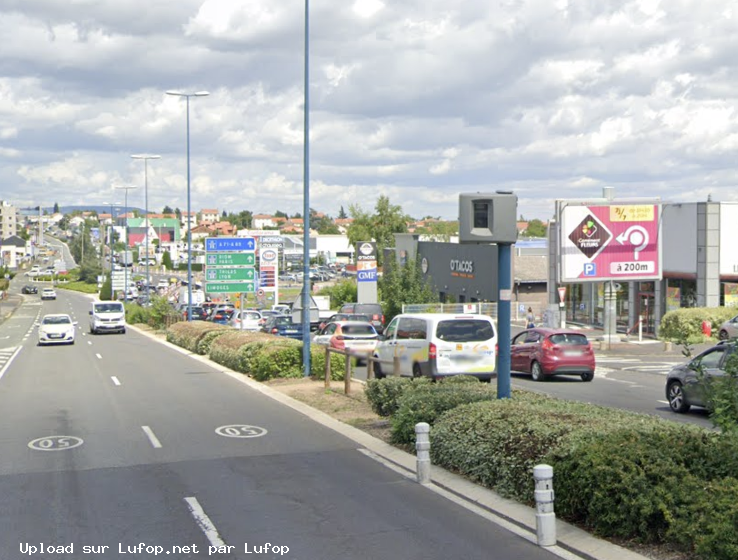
(422, 447)
(545, 516)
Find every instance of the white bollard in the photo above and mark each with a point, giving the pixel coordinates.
(545, 516)
(422, 447)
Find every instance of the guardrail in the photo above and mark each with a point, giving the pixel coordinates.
(370, 361)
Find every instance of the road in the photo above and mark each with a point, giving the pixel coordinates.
(121, 442)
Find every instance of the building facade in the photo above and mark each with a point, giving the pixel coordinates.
(9, 217)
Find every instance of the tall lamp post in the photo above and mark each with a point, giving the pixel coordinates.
(146, 158)
(125, 264)
(189, 211)
(110, 236)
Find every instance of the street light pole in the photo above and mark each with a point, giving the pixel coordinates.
(146, 158)
(125, 229)
(110, 237)
(189, 211)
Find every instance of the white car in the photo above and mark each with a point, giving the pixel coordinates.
(56, 329)
(48, 293)
(247, 320)
(163, 284)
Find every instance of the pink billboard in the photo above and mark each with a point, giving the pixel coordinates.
(609, 242)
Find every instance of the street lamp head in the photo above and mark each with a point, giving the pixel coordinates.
(146, 156)
(184, 94)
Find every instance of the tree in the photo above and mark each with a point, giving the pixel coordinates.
(342, 214)
(536, 228)
(280, 214)
(403, 284)
(441, 231)
(56, 208)
(166, 260)
(167, 210)
(381, 226)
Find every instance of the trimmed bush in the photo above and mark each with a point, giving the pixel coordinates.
(426, 403)
(203, 345)
(277, 361)
(317, 364)
(686, 324)
(384, 394)
(227, 349)
(188, 334)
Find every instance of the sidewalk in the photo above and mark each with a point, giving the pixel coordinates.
(9, 304)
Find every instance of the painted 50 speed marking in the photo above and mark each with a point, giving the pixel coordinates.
(241, 431)
(55, 443)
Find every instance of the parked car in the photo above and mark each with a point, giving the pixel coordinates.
(282, 325)
(356, 336)
(48, 293)
(221, 315)
(198, 313)
(729, 329)
(544, 352)
(343, 317)
(56, 329)
(373, 310)
(246, 320)
(29, 290)
(685, 383)
(437, 345)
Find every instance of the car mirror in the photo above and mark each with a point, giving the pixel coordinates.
(90, 312)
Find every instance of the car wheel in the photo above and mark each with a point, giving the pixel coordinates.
(536, 372)
(723, 335)
(677, 401)
(588, 376)
(417, 372)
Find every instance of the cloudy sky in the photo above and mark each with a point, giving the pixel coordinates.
(418, 100)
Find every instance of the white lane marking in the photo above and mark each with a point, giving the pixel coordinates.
(116, 381)
(203, 521)
(10, 361)
(89, 343)
(663, 402)
(152, 438)
(99, 357)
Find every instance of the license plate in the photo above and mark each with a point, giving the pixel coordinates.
(572, 353)
(55, 336)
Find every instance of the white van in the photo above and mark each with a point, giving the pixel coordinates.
(107, 316)
(437, 345)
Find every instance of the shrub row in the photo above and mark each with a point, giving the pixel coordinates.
(686, 324)
(263, 356)
(617, 473)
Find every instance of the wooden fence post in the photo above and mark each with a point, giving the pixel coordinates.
(327, 368)
(347, 376)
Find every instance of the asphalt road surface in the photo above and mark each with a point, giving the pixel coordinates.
(118, 441)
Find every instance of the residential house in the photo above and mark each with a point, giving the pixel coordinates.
(264, 221)
(343, 224)
(209, 216)
(12, 251)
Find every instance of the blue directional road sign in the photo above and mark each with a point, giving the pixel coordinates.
(230, 244)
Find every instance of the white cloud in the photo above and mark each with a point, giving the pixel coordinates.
(417, 100)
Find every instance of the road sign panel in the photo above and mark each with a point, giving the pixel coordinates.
(231, 244)
(230, 287)
(230, 259)
(226, 274)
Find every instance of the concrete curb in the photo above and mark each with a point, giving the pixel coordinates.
(513, 516)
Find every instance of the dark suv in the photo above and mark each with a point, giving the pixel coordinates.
(372, 310)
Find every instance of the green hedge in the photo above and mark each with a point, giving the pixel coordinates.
(188, 334)
(384, 394)
(426, 402)
(619, 474)
(686, 324)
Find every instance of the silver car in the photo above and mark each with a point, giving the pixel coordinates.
(246, 320)
(729, 329)
(685, 384)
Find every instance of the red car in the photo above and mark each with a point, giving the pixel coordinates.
(546, 352)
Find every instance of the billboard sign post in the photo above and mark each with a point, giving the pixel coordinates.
(615, 241)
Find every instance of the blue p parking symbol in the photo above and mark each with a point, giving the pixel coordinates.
(590, 269)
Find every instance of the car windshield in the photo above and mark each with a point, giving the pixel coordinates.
(464, 330)
(359, 330)
(569, 339)
(109, 308)
(56, 320)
